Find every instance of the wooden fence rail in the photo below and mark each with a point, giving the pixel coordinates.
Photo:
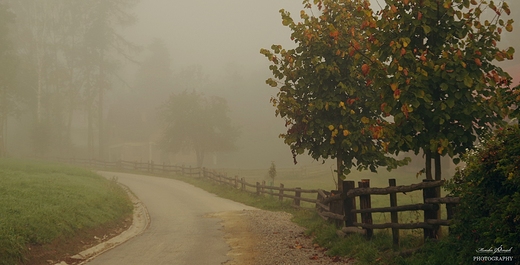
(348, 211)
(260, 188)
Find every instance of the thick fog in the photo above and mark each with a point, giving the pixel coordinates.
(222, 41)
(205, 47)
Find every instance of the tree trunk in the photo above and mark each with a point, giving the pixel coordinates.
(437, 158)
(428, 166)
(339, 169)
(100, 124)
(68, 131)
(3, 122)
(2, 135)
(438, 173)
(90, 132)
(102, 83)
(200, 157)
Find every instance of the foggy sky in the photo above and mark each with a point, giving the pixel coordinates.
(213, 34)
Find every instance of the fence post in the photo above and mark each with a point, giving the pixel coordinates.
(365, 203)
(257, 188)
(297, 196)
(263, 186)
(337, 208)
(280, 192)
(450, 211)
(243, 184)
(430, 214)
(393, 215)
(349, 204)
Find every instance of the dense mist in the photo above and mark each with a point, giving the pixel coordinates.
(98, 79)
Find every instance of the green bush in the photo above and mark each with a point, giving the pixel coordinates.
(488, 215)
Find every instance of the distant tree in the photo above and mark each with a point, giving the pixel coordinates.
(138, 109)
(196, 123)
(191, 77)
(154, 78)
(104, 47)
(69, 52)
(8, 66)
(36, 43)
(323, 97)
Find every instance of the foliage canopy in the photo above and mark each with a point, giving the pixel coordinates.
(434, 64)
(323, 97)
(415, 76)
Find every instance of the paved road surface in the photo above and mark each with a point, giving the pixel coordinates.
(179, 232)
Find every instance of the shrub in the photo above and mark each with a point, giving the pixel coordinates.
(488, 215)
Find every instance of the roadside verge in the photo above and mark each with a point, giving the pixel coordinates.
(140, 222)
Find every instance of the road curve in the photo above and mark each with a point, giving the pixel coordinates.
(181, 230)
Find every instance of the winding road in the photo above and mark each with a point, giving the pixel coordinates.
(181, 231)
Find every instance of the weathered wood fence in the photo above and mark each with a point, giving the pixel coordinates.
(261, 188)
(340, 208)
(343, 207)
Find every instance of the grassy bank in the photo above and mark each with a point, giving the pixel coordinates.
(41, 202)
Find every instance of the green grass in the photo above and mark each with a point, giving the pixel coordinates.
(41, 202)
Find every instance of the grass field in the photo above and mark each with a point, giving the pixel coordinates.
(41, 202)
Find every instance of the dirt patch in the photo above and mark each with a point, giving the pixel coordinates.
(62, 248)
(238, 235)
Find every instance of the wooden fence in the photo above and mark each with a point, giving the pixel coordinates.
(338, 207)
(342, 207)
(261, 188)
(150, 167)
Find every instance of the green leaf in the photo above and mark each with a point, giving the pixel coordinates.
(427, 29)
(286, 21)
(468, 81)
(450, 102)
(419, 93)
